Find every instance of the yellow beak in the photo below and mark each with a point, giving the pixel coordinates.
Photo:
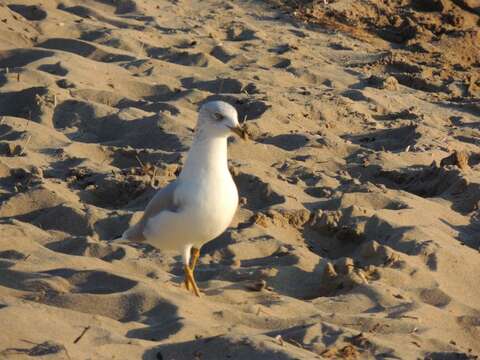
(239, 131)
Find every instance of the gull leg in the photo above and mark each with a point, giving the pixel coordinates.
(186, 280)
(189, 280)
(195, 256)
(186, 263)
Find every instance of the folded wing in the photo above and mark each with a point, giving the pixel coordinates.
(162, 201)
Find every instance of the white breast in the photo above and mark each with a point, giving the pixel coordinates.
(210, 202)
(206, 196)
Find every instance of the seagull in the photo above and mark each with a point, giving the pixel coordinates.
(200, 204)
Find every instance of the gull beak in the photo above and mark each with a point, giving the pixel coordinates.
(239, 131)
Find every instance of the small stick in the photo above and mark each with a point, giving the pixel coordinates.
(152, 180)
(139, 161)
(27, 140)
(81, 335)
(364, 279)
(409, 317)
(377, 325)
(28, 119)
(29, 137)
(220, 88)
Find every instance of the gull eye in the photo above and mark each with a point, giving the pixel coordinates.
(219, 116)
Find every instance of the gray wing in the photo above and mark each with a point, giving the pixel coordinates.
(162, 201)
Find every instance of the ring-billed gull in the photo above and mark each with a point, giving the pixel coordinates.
(200, 204)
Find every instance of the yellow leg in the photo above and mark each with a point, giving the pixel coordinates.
(189, 280)
(186, 280)
(195, 255)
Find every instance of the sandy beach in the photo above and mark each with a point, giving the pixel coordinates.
(358, 230)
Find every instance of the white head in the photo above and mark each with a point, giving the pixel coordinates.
(217, 118)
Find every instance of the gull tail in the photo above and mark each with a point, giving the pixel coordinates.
(134, 233)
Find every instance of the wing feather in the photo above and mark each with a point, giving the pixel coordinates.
(163, 200)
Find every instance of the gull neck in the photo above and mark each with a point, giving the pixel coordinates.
(208, 154)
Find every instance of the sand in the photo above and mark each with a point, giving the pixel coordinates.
(357, 236)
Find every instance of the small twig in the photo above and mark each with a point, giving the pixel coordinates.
(27, 140)
(152, 180)
(220, 88)
(81, 335)
(26, 257)
(409, 317)
(28, 119)
(362, 276)
(139, 161)
(43, 348)
(260, 310)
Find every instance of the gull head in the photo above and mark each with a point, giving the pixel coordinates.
(217, 118)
